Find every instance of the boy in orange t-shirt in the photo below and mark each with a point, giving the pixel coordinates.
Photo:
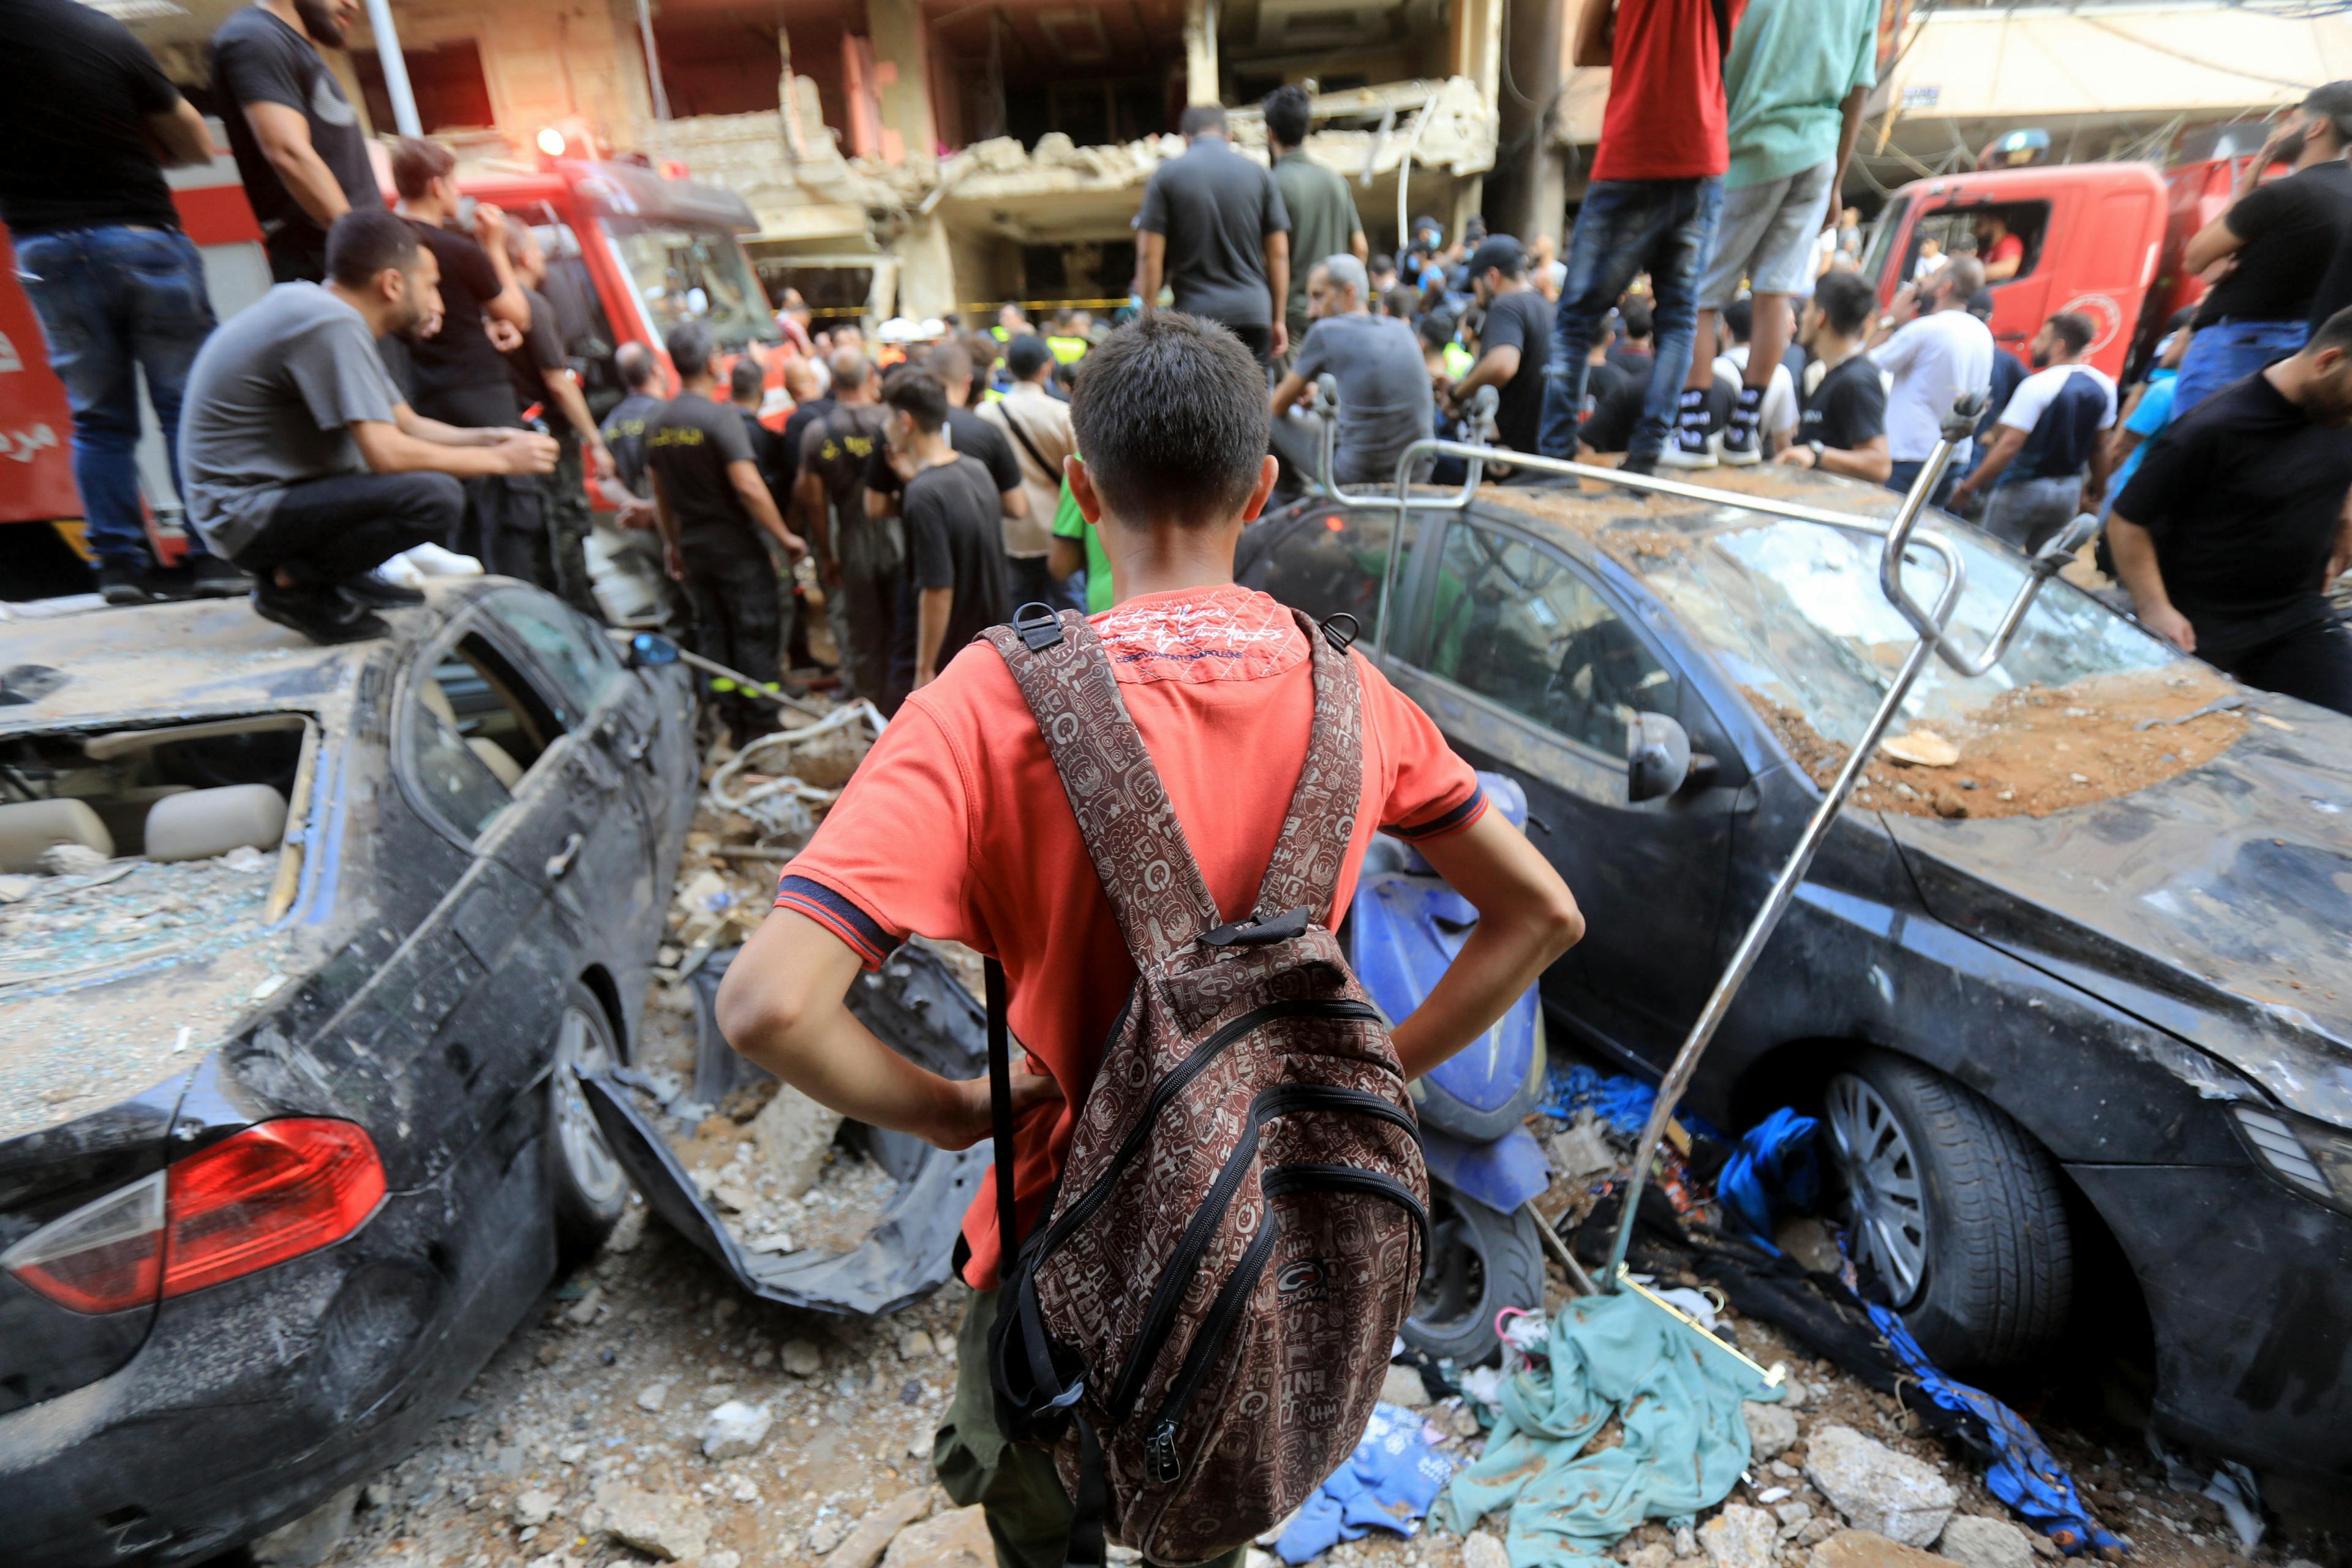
(957, 826)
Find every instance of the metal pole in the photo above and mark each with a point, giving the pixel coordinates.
(1817, 829)
(653, 62)
(395, 67)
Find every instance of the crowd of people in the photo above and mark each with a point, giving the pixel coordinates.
(1707, 311)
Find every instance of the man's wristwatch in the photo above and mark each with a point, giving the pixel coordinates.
(1819, 448)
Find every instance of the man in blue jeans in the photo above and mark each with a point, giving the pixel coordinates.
(89, 120)
(1658, 187)
(2281, 235)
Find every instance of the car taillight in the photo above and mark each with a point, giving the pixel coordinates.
(266, 1195)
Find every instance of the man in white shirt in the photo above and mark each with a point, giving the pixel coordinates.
(1037, 425)
(2047, 440)
(1935, 352)
(1775, 418)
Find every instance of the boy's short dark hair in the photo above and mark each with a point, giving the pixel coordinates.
(367, 240)
(691, 349)
(1739, 319)
(1635, 314)
(1200, 119)
(743, 381)
(1846, 301)
(920, 396)
(1026, 356)
(1170, 419)
(1437, 328)
(1285, 115)
(417, 164)
(1400, 301)
(2072, 329)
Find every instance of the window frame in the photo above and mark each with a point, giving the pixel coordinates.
(408, 702)
(527, 662)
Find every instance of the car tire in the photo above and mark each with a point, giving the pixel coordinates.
(1481, 1261)
(1974, 1202)
(587, 1186)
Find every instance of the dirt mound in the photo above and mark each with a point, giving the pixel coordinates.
(2039, 750)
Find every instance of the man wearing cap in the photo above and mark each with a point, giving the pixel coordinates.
(1513, 343)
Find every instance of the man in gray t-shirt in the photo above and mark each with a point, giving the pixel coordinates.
(302, 464)
(1213, 224)
(1385, 402)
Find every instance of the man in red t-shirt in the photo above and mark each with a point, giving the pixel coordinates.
(1658, 187)
(957, 826)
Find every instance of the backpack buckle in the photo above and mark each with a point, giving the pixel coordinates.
(1037, 626)
(1340, 640)
(1259, 933)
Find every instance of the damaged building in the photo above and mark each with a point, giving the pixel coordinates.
(920, 156)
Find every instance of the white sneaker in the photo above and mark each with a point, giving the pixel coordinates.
(1678, 455)
(1738, 454)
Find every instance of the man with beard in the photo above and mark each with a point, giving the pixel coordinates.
(2235, 524)
(2047, 441)
(296, 138)
(303, 464)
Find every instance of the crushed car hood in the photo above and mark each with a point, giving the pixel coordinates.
(2216, 906)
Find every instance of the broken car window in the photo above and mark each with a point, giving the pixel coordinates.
(454, 777)
(1794, 611)
(578, 660)
(1516, 624)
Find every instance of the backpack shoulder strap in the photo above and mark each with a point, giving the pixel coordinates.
(1313, 845)
(1131, 830)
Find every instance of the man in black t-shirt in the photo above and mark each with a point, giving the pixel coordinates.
(296, 138)
(1514, 342)
(1841, 413)
(956, 584)
(624, 426)
(2234, 526)
(86, 113)
(1213, 224)
(2284, 235)
(967, 432)
(857, 557)
(542, 371)
(714, 508)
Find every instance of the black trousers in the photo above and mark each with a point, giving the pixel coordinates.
(324, 531)
(505, 526)
(1258, 340)
(297, 252)
(2315, 664)
(737, 622)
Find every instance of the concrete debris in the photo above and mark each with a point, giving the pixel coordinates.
(735, 1430)
(1740, 1537)
(1403, 1386)
(1793, 1516)
(534, 1508)
(1862, 1549)
(794, 1133)
(1770, 1430)
(309, 1540)
(1583, 1150)
(801, 1358)
(827, 1533)
(662, 1525)
(653, 1396)
(956, 1539)
(70, 860)
(583, 1312)
(914, 1345)
(1656, 1554)
(1480, 1550)
(1977, 1541)
(866, 1543)
(1877, 1488)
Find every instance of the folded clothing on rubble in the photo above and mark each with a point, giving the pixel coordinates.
(1683, 1445)
(1388, 1484)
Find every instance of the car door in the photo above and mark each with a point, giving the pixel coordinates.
(1531, 667)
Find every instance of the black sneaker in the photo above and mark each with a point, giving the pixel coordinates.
(379, 593)
(123, 585)
(210, 577)
(324, 615)
(1644, 463)
(1688, 445)
(1741, 447)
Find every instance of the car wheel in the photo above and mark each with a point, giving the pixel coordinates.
(1480, 1262)
(587, 1181)
(1955, 1209)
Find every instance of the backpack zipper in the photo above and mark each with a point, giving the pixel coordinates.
(1173, 1084)
(1176, 1279)
(1162, 1465)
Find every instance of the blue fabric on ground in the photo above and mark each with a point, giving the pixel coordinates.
(1387, 1484)
(2022, 1474)
(1676, 1402)
(1619, 1099)
(1772, 1173)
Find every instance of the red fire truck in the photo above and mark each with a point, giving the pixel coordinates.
(2102, 239)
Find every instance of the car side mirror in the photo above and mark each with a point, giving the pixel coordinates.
(1657, 757)
(648, 650)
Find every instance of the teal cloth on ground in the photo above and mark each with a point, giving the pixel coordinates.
(1677, 1399)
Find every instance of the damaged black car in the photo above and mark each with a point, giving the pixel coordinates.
(2069, 983)
(304, 954)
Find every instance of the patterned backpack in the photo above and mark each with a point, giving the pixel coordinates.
(1201, 1321)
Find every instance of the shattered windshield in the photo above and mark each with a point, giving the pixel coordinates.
(684, 274)
(1794, 612)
